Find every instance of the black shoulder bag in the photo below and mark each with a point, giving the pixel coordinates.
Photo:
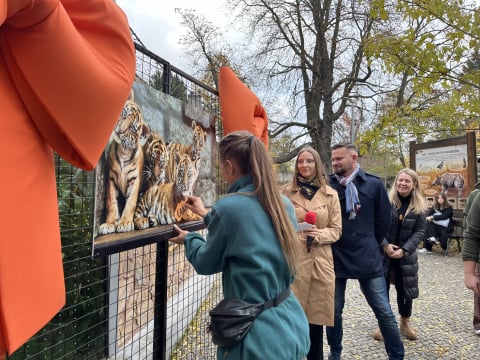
(232, 318)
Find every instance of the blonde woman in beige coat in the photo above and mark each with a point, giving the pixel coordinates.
(314, 285)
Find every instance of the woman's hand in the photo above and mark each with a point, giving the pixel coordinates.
(398, 253)
(180, 238)
(393, 251)
(195, 204)
(313, 232)
(429, 218)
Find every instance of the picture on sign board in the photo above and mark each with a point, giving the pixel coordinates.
(444, 170)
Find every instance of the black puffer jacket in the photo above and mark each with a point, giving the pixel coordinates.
(445, 213)
(411, 232)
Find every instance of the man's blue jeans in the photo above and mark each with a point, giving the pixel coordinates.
(375, 291)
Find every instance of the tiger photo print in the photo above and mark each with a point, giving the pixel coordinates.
(150, 180)
(124, 170)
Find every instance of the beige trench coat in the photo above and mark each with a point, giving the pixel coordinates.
(314, 284)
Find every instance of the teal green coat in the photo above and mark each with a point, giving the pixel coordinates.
(243, 245)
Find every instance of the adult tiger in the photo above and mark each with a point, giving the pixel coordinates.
(124, 169)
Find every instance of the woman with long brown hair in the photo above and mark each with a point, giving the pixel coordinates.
(439, 224)
(252, 240)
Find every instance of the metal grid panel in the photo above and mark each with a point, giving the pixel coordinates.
(76, 332)
(103, 318)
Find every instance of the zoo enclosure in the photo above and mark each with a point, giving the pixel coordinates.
(157, 314)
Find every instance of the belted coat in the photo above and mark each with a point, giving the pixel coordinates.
(314, 284)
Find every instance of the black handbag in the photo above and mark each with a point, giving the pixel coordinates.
(232, 318)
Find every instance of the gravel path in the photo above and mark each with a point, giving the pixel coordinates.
(442, 317)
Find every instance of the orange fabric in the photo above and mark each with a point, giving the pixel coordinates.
(66, 69)
(239, 106)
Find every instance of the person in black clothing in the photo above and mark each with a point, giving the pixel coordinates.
(439, 224)
(400, 261)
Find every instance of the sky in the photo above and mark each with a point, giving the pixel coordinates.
(158, 26)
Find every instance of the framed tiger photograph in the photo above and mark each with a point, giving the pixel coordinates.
(161, 150)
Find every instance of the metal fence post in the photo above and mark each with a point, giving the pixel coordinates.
(160, 308)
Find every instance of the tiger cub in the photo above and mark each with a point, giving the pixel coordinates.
(156, 161)
(158, 205)
(193, 150)
(124, 170)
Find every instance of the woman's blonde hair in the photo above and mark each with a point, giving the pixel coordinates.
(251, 156)
(417, 201)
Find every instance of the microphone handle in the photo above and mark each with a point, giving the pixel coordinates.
(309, 243)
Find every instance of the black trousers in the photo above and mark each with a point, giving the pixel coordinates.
(404, 305)
(440, 232)
(316, 342)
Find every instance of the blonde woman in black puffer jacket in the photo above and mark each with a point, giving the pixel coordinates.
(399, 246)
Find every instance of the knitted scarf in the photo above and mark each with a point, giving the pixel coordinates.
(352, 201)
(308, 188)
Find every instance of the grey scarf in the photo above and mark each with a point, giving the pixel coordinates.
(352, 201)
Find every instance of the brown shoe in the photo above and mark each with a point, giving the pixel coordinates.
(406, 329)
(377, 334)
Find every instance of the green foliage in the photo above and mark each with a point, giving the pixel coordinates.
(78, 331)
(424, 52)
(431, 41)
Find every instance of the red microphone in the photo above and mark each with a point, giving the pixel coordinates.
(311, 218)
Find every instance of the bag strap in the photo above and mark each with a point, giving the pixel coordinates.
(277, 299)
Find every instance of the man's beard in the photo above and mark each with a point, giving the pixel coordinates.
(340, 172)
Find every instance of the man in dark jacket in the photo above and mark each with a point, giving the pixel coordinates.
(357, 255)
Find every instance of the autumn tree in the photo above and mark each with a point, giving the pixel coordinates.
(314, 52)
(382, 72)
(425, 48)
(471, 70)
(206, 47)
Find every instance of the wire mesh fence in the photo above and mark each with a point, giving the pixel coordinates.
(141, 302)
